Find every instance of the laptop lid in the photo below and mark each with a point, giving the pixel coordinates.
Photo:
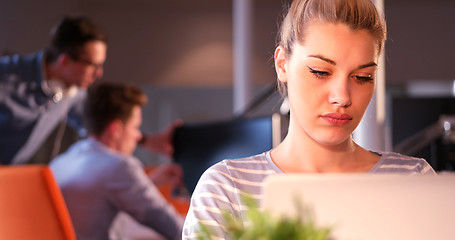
(372, 207)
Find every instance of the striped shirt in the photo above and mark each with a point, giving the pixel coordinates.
(221, 186)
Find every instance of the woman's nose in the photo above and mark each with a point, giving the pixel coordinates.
(340, 92)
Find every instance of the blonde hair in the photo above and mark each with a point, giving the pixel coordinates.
(356, 14)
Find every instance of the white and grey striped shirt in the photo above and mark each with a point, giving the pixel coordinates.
(221, 186)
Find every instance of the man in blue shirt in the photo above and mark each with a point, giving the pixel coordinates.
(99, 177)
(41, 94)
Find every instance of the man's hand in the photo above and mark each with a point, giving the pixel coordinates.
(167, 174)
(162, 142)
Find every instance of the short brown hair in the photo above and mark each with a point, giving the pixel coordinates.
(107, 102)
(70, 34)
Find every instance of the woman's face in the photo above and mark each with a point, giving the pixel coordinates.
(330, 79)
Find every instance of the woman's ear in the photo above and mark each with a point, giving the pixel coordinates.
(280, 63)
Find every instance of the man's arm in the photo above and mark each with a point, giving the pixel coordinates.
(161, 142)
(133, 192)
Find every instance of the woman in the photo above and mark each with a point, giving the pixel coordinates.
(327, 60)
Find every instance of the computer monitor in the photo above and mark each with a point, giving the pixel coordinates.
(198, 146)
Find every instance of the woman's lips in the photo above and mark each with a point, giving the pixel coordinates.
(338, 119)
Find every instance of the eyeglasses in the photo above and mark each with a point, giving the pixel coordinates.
(86, 62)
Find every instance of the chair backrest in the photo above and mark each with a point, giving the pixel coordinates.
(31, 205)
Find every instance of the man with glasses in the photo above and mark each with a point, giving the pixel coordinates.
(41, 94)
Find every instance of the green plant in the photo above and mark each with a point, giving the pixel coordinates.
(261, 225)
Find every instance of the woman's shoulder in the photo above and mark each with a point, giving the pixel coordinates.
(399, 157)
(393, 162)
(241, 172)
(256, 164)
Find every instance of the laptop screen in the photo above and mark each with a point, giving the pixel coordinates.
(372, 207)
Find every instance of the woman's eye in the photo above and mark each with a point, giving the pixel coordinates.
(366, 78)
(317, 73)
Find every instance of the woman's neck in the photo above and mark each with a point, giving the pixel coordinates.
(302, 154)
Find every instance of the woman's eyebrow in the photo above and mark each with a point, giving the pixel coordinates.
(371, 64)
(330, 61)
(323, 59)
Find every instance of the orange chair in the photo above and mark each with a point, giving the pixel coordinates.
(32, 206)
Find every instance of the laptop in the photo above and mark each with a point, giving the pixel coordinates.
(369, 207)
